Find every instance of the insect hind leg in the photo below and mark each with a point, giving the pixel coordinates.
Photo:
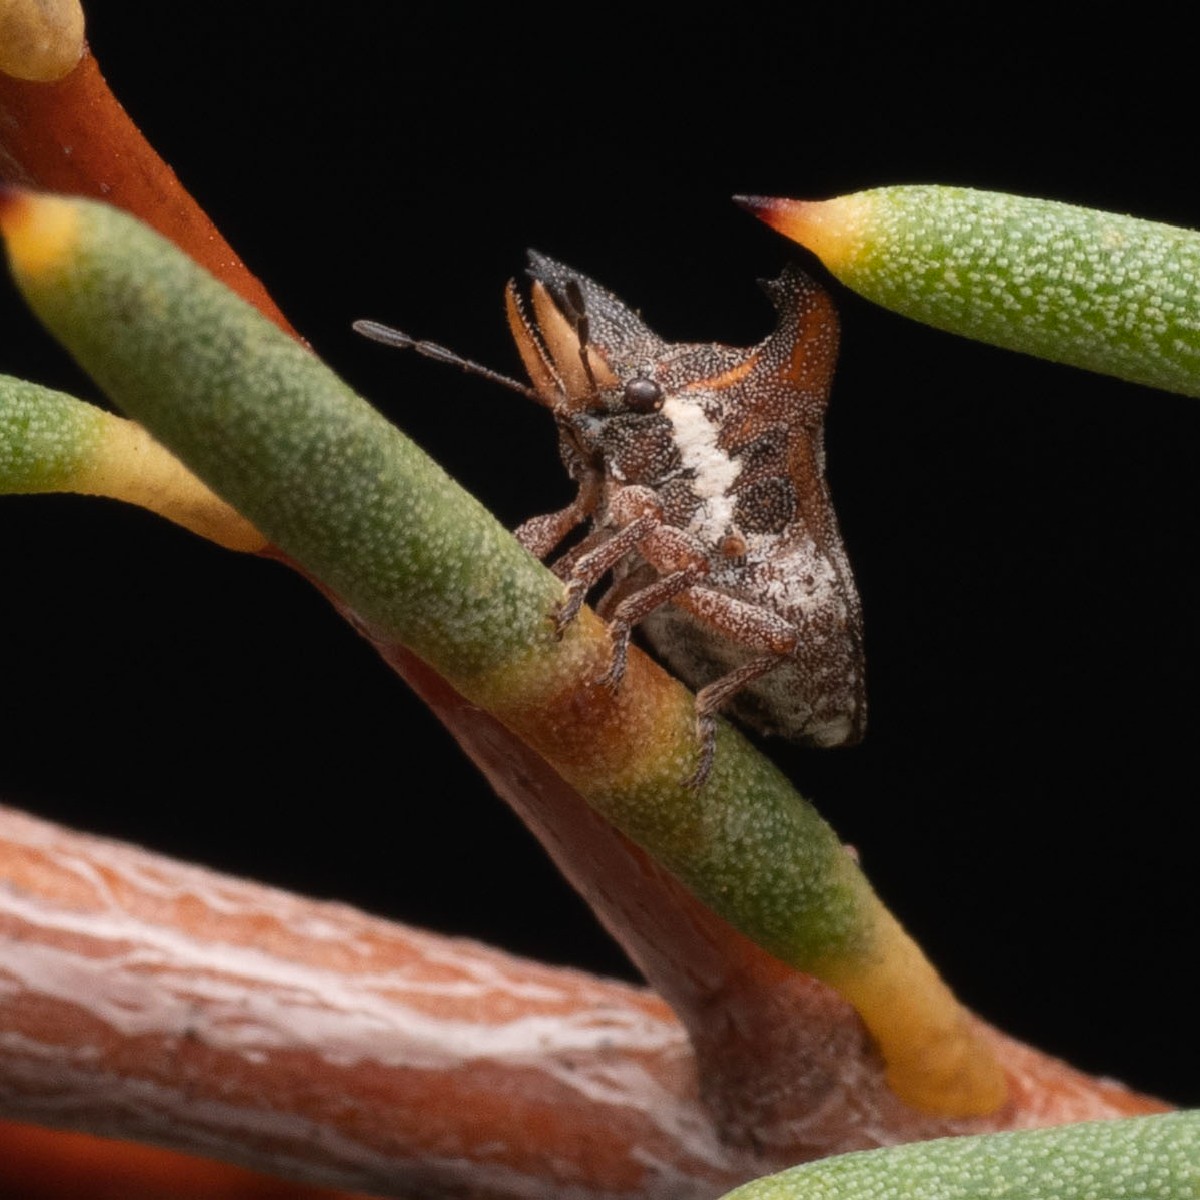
(709, 700)
(749, 625)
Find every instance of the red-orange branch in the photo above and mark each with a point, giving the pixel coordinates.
(146, 999)
(785, 1065)
(51, 1164)
(73, 136)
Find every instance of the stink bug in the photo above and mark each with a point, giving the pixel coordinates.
(701, 471)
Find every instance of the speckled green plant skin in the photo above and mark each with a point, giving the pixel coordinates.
(1109, 293)
(346, 495)
(44, 436)
(276, 433)
(1141, 1158)
(752, 848)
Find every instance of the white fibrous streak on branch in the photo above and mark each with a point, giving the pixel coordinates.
(150, 1000)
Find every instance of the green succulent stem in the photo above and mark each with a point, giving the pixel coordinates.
(1111, 293)
(1139, 1158)
(51, 442)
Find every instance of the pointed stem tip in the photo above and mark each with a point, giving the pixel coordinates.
(754, 204)
(774, 210)
(40, 229)
(1099, 290)
(826, 227)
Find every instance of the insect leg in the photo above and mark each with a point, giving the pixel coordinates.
(638, 578)
(710, 698)
(636, 607)
(748, 625)
(589, 569)
(678, 559)
(539, 535)
(564, 565)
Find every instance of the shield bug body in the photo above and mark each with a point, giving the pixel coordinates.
(700, 468)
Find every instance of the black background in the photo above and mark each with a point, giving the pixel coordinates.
(1023, 533)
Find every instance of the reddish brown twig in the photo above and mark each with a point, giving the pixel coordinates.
(156, 1001)
(73, 136)
(152, 1000)
(784, 1064)
(52, 1164)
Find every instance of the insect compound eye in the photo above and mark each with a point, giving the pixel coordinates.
(643, 395)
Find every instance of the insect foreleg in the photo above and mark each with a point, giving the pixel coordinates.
(633, 521)
(539, 535)
(564, 566)
(593, 566)
(637, 579)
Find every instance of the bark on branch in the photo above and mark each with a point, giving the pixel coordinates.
(147, 999)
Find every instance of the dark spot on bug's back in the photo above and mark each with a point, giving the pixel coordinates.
(766, 507)
(766, 452)
(732, 545)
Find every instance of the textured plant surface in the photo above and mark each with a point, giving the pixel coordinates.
(1094, 289)
(1146, 1158)
(50, 442)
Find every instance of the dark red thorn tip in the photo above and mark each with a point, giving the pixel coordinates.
(758, 205)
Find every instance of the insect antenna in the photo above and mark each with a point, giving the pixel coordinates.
(403, 341)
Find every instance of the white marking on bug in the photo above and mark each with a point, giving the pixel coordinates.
(715, 472)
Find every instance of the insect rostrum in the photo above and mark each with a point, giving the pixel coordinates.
(701, 470)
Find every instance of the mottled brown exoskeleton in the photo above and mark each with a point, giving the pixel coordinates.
(701, 469)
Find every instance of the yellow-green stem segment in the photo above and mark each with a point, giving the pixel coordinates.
(421, 563)
(1098, 290)
(51, 442)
